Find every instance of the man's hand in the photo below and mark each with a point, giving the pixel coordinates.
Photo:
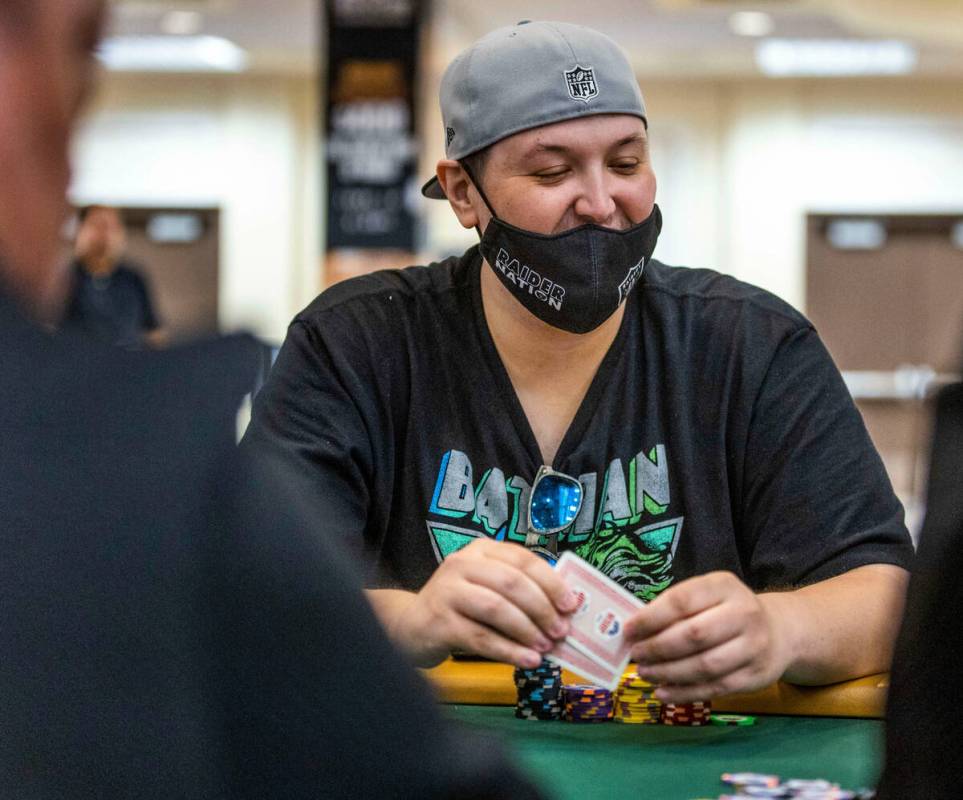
(495, 599)
(709, 636)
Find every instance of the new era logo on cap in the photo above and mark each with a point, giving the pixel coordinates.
(581, 83)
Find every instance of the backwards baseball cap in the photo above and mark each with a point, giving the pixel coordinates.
(527, 75)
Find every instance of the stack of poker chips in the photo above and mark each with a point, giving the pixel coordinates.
(688, 714)
(587, 703)
(753, 784)
(539, 692)
(635, 701)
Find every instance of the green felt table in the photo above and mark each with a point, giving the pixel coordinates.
(611, 760)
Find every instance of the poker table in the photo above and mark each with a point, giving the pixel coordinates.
(833, 732)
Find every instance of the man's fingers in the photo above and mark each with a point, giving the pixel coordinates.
(702, 668)
(539, 571)
(489, 598)
(485, 641)
(743, 680)
(521, 591)
(689, 636)
(678, 602)
(500, 613)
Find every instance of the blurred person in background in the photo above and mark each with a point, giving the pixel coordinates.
(109, 297)
(173, 626)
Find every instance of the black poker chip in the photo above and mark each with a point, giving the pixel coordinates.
(539, 692)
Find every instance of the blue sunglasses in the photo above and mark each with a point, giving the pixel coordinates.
(553, 505)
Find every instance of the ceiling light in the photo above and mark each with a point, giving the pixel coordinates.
(182, 23)
(782, 58)
(172, 54)
(751, 23)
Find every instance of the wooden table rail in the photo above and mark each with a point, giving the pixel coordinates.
(488, 683)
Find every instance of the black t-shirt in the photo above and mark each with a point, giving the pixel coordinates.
(717, 433)
(116, 309)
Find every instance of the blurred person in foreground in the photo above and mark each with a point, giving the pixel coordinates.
(109, 298)
(172, 626)
(924, 758)
(724, 473)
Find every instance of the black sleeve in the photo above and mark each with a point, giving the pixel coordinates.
(307, 412)
(316, 701)
(817, 500)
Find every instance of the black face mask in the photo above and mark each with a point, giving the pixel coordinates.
(573, 280)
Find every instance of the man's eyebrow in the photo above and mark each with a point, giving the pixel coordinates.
(538, 148)
(535, 149)
(635, 137)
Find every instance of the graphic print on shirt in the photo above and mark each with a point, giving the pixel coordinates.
(624, 527)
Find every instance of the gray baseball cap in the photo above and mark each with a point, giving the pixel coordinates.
(527, 75)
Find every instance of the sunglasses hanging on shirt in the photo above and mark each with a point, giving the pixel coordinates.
(553, 505)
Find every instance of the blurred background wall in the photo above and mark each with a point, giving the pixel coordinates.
(758, 153)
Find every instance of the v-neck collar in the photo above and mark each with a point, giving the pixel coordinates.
(506, 390)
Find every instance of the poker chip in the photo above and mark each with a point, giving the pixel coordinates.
(765, 791)
(752, 784)
(801, 785)
(687, 714)
(635, 702)
(587, 703)
(740, 780)
(539, 692)
(632, 680)
(731, 720)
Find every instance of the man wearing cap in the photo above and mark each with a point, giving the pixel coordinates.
(555, 388)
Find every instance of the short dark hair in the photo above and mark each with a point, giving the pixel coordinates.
(475, 163)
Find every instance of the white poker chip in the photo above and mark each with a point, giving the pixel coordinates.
(816, 785)
(749, 779)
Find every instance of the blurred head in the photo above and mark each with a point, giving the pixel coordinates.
(46, 73)
(101, 238)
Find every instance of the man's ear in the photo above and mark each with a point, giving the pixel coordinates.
(457, 187)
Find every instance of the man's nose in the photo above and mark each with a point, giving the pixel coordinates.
(595, 203)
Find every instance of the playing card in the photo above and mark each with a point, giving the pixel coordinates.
(598, 624)
(579, 663)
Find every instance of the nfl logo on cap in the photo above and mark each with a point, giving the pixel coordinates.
(581, 83)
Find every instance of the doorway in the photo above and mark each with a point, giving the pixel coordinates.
(885, 293)
(178, 252)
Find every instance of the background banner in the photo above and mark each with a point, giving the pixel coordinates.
(372, 49)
